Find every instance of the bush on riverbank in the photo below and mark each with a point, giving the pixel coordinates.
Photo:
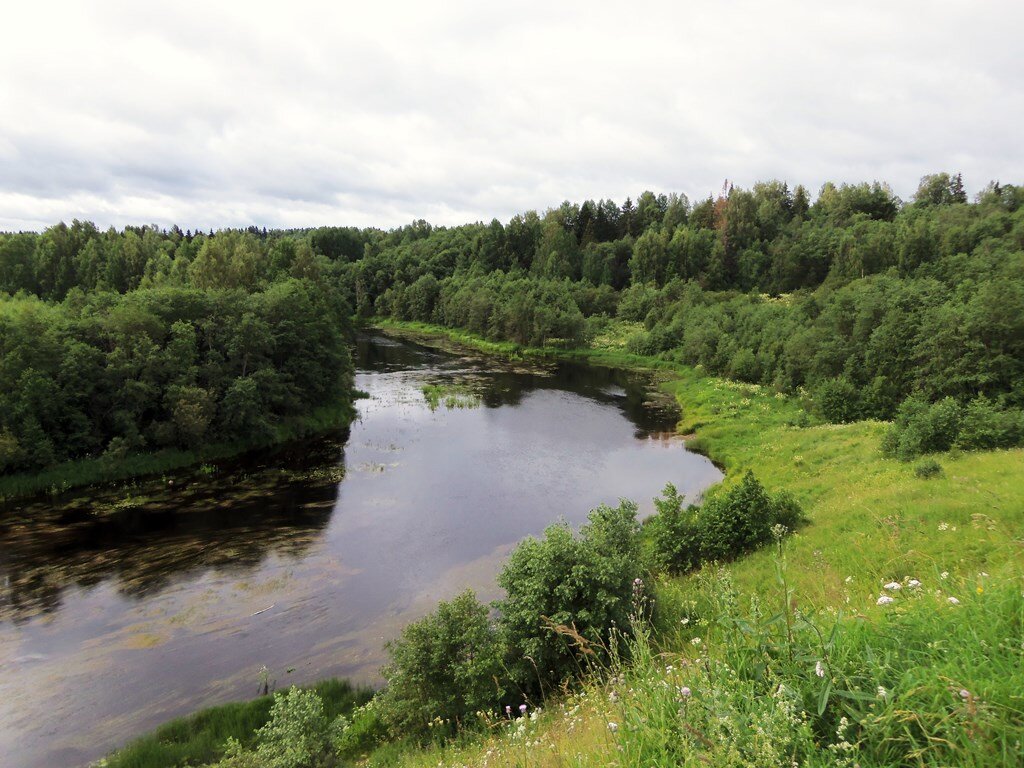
(728, 524)
(202, 737)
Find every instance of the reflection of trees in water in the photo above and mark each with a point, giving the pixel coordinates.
(223, 525)
(504, 383)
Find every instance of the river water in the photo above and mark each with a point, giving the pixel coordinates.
(123, 608)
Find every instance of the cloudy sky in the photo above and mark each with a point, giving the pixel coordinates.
(210, 114)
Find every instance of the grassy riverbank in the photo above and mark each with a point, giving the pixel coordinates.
(931, 676)
(102, 470)
(872, 517)
(199, 738)
(889, 631)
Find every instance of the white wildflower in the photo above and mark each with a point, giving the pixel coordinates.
(892, 586)
(613, 727)
(884, 600)
(953, 601)
(819, 669)
(913, 583)
(882, 693)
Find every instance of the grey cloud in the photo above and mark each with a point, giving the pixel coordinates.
(304, 113)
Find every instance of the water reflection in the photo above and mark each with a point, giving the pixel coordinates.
(155, 533)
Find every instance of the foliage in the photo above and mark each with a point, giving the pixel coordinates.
(728, 524)
(564, 593)
(927, 469)
(921, 427)
(442, 669)
(201, 737)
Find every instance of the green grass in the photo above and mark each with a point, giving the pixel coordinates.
(100, 470)
(872, 519)
(200, 737)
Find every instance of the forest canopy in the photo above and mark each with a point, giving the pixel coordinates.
(135, 340)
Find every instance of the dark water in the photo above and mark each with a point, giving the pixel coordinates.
(121, 609)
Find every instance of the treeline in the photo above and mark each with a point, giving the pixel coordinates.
(127, 342)
(857, 298)
(854, 298)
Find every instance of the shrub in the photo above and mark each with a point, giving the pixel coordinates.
(838, 401)
(295, 736)
(442, 667)
(584, 583)
(741, 519)
(985, 426)
(921, 427)
(674, 532)
(927, 469)
(745, 366)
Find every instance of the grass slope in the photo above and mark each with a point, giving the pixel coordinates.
(953, 671)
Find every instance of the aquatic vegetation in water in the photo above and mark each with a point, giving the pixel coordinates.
(451, 396)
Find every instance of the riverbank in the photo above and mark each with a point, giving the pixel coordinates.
(902, 603)
(951, 543)
(101, 470)
(869, 515)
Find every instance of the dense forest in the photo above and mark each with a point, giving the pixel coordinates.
(118, 343)
(135, 340)
(871, 307)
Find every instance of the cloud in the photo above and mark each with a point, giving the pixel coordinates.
(223, 114)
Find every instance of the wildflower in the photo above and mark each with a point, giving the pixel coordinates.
(522, 709)
(685, 692)
(884, 600)
(892, 586)
(882, 693)
(913, 583)
(848, 579)
(508, 711)
(819, 669)
(613, 727)
(638, 582)
(944, 575)
(696, 641)
(979, 589)
(685, 620)
(964, 693)
(943, 526)
(953, 601)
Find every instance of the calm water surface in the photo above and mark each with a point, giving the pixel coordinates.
(121, 609)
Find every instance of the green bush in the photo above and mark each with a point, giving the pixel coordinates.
(838, 401)
(927, 469)
(985, 426)
(674, 532)
(297, 735)
(921, 427)
(442, 668)
(741, 519)
(735, 521)
(577, 584)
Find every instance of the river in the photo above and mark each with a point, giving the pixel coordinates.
(122, 608)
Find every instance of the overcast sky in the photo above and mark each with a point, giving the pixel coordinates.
(210, 114)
